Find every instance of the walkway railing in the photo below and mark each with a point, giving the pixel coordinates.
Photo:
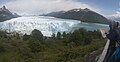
(104, 53)
(105, 50)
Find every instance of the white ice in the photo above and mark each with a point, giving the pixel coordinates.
(47, 25)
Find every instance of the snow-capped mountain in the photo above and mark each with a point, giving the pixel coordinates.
(79, 10)
(84, 15)
(5, 14)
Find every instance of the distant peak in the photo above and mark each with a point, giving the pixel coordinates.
(3, 7)
(86, 9)
(74, 10)
(79, 9)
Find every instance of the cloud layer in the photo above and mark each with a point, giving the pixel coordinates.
(117, 12)
(44, 6)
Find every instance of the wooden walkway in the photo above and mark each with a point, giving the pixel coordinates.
(104, 53)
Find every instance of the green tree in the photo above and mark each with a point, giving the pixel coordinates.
(64, 35)
(34, 45)
(17, 35)
(59, 35)
(53, 35)
(76, 38)
(2, 48)
(3, 34)
(37, 35)
(26, 37)
(87, 40)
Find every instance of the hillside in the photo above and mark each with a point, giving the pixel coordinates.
(84, 15)
(5, 14)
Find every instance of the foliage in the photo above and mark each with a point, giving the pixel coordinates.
(3, 34)
(53, 35)
(26, 37)
(66, 47)
(37, 34)
(34, 45)
(64, 35)
(59, 35)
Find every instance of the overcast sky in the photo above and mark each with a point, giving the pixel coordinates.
(24, 7)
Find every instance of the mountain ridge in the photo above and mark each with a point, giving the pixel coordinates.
(5, 14)
(84, 15)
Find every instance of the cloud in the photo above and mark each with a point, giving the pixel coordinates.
(117, 14)
(44, 6)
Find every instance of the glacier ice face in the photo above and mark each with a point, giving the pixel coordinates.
(47, 25)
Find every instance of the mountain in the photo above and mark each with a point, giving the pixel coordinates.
(5, 14)
(84, 15)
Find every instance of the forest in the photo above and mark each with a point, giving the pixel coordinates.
(60, 47)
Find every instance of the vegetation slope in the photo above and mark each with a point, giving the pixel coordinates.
(66, 47)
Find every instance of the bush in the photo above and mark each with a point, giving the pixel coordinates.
(34, 45)
(59, 35)
(26, 37)
(37, 35)
(2, 48)
(3, 34)
(70, 47)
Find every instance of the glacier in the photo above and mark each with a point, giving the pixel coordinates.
(47, 25)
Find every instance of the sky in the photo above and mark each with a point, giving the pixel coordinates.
(36, 7)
